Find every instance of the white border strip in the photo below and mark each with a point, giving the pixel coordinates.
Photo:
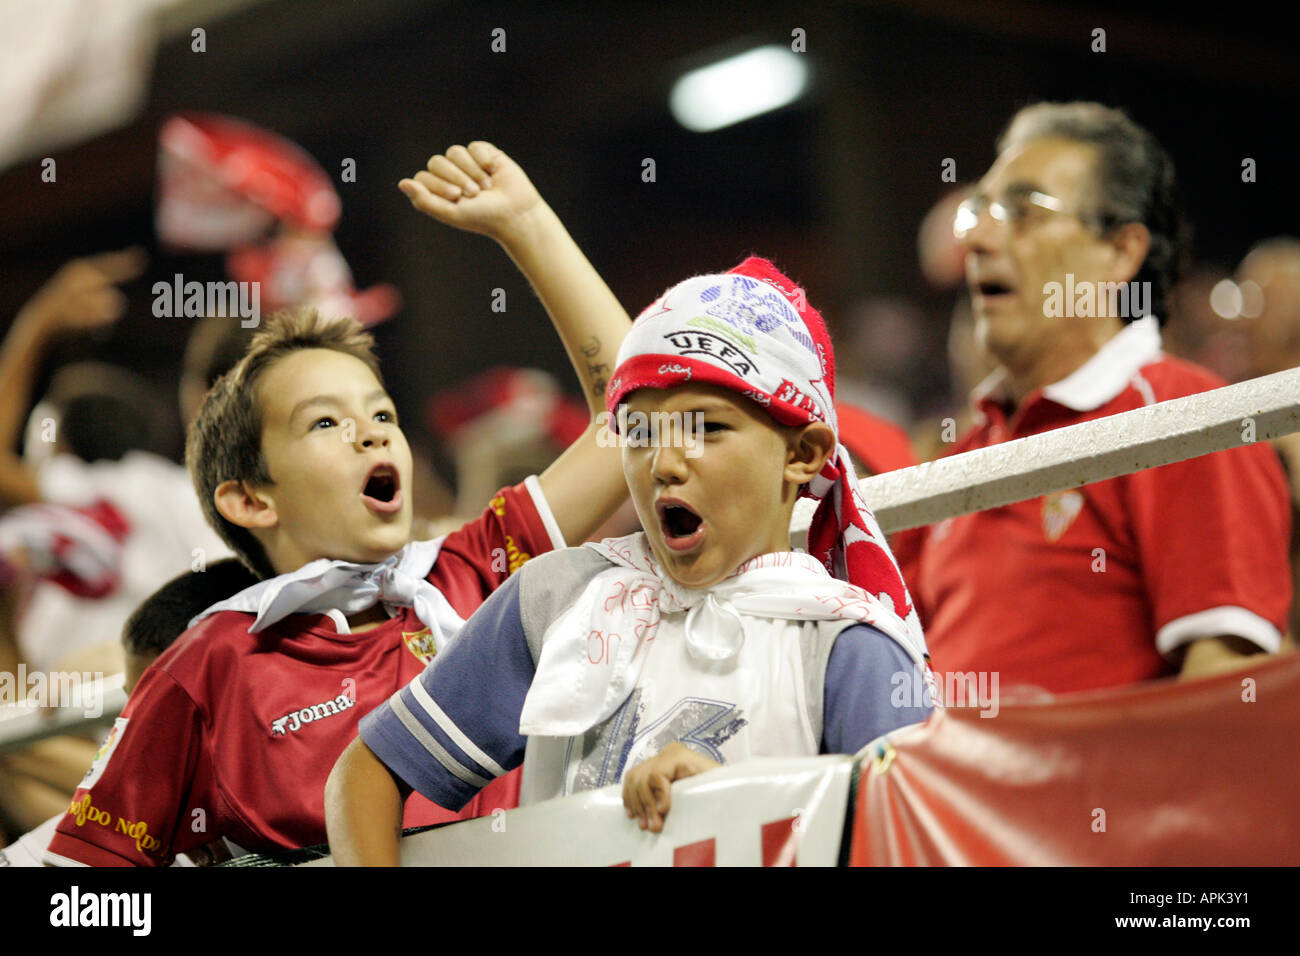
(430, 743)
(453, 732)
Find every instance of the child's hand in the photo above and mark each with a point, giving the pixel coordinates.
(646, 787)
(479, 189)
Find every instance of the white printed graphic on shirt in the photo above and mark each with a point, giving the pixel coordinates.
(753, 705)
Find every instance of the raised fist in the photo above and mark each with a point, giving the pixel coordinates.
(476, 188)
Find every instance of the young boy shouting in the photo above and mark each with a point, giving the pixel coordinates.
(301, 466)
(702, 640)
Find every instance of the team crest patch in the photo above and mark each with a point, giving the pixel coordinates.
(1059, 511)
(421, 644)
(101, 757)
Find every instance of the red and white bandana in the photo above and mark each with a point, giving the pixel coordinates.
(751, 330)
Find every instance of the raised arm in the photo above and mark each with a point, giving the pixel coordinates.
(80, 296)
(480, 189)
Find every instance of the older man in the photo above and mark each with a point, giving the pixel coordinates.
(1072, 240)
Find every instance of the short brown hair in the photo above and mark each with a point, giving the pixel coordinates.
(225, 439)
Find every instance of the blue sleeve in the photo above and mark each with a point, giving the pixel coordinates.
(455, 727)
(872, 687)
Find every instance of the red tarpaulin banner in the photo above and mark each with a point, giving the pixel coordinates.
(1170, 772)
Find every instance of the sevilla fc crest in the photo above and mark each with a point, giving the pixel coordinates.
(1059, 511)
(421, 644)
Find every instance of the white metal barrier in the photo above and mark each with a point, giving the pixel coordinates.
(24, 722)
(1228, 417)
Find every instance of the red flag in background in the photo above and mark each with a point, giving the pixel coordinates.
(225, 185)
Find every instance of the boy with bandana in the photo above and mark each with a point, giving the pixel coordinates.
(703, 639)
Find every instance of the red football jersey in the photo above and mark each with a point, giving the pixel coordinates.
(232, 734)
(1092, 587)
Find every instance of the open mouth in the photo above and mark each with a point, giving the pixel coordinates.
(992, 288)
(382, 491)
(682, 527)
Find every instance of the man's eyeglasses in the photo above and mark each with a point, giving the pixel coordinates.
(1012, 208)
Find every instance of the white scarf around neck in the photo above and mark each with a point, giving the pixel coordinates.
(571, 693)
(324, 585)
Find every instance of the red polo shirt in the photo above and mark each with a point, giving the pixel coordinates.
(1095, 586)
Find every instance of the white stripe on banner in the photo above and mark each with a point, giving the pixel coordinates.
(765, 811)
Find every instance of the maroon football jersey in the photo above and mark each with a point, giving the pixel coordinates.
(231, 734)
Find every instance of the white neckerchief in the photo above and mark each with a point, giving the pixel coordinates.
(571, 693)
(325, 585)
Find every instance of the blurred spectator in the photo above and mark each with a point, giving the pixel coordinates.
(93, 460)
(81, 297)
(215, 344)
(94, 442)
(1198, 332)
(942, 259)
(941, 256)
(1269, 282)
(501, 426)
(968, 365)
(881, 361)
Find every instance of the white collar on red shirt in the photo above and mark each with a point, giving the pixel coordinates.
(1100, 379)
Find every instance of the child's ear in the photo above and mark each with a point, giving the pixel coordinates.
(809, 449)
(241, 505)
